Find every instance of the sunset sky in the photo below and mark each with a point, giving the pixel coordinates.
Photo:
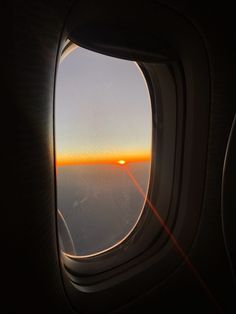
(102, 110)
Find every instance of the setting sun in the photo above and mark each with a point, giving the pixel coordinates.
(121, 162)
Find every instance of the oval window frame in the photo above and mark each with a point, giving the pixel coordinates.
(148, 234)
(68, 49)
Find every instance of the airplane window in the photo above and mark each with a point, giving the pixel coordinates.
(103, 133)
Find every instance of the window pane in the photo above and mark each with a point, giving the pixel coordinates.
(103, 126)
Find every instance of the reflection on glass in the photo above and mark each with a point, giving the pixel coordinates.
(103, 129)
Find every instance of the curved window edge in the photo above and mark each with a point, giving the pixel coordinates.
(147, 235)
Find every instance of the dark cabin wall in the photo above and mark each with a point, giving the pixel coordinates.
(31, 267)
(216, 24)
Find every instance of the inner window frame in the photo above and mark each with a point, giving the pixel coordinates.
(146, 238)
(69, 47)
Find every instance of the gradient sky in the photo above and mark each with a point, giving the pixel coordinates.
(102, 110)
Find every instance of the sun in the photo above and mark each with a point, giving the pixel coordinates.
(121, 162)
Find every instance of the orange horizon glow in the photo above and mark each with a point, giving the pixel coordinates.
(102, 159)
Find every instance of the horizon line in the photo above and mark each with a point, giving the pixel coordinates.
(61, 163)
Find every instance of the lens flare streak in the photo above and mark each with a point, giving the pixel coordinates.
(174, 241)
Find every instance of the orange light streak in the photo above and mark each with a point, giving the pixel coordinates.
(177, 246)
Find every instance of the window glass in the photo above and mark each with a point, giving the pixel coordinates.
(103, 129)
